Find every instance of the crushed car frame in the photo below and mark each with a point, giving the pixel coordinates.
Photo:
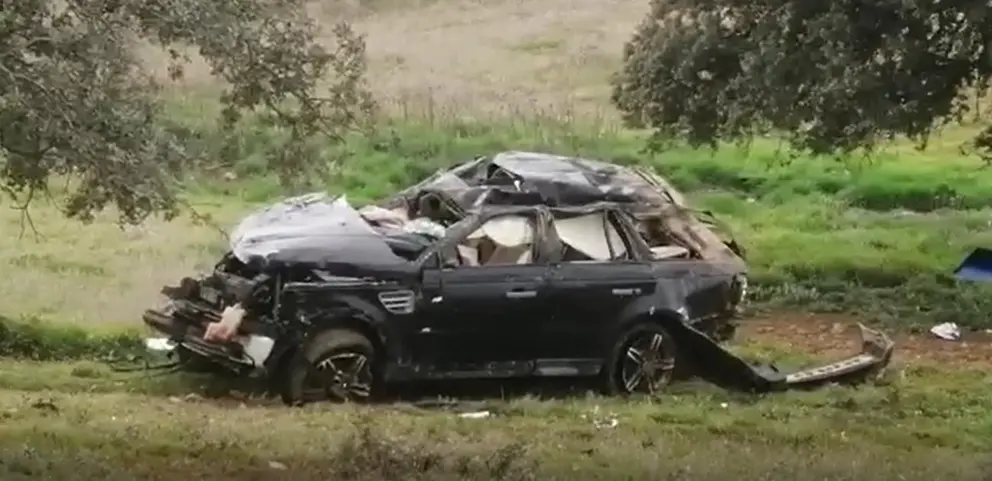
(515, 265)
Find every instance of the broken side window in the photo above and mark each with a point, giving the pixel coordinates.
(590, 237)
(596, 237)
(502, 240)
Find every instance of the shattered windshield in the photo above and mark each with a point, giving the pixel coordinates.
(312, 228)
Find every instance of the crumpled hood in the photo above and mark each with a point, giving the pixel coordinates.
(312, 228)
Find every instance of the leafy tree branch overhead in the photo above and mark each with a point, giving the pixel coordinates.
(834, 76)
(74, 100)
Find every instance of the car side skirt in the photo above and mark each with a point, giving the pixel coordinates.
(498, 370)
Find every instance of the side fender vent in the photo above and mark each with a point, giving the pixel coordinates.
(398, 302)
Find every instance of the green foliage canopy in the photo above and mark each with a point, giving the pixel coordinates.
(75, 101)
(834, 76)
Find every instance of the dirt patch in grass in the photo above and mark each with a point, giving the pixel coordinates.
(835, 335)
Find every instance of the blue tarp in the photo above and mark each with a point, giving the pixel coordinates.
(976, 267)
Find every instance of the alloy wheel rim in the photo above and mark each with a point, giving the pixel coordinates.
(343, 377)
(646, 366)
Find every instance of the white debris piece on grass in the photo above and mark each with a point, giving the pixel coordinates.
(607, 423)
(601, 421)
(475, 415)
(947, 331)
(159, 344)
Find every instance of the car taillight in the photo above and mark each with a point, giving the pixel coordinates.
(738, 291)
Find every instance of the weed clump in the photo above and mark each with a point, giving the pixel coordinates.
(368, 454)
(37, 340)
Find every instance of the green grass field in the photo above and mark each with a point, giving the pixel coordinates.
(79, 420)
(875, 238)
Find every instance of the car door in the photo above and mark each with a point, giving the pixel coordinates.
(590, 294)
(478, 314)
(590, 297)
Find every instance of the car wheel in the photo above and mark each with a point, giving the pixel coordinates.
(337, 365)
(643, 361)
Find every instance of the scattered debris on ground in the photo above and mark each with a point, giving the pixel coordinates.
(947, 331)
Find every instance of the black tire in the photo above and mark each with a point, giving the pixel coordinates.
(337, 365)
(643, 361)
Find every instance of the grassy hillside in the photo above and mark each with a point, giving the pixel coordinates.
(878, 236)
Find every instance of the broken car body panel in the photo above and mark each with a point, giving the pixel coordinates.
(536, 280)
(311, 229)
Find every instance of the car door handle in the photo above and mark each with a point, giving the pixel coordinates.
(626, 291)
(521, 294)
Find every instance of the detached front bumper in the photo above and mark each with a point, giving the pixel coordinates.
(724, 368)
(876, 353)
(245, 352)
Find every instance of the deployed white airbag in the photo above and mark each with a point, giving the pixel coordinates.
(588, 235)
(509, 241)
(507, 231)
(669, 252)
(469, 255)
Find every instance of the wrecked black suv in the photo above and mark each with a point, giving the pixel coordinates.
(328, 303)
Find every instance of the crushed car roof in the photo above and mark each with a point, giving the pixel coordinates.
(316, 229)
(529, 178)
(515, 177)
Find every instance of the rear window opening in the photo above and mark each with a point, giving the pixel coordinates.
(596, 238)
(590, 237)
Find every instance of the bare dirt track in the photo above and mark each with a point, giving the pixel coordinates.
(834, 335)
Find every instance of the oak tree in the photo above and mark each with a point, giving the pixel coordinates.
(76, 101)
(833, 77)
